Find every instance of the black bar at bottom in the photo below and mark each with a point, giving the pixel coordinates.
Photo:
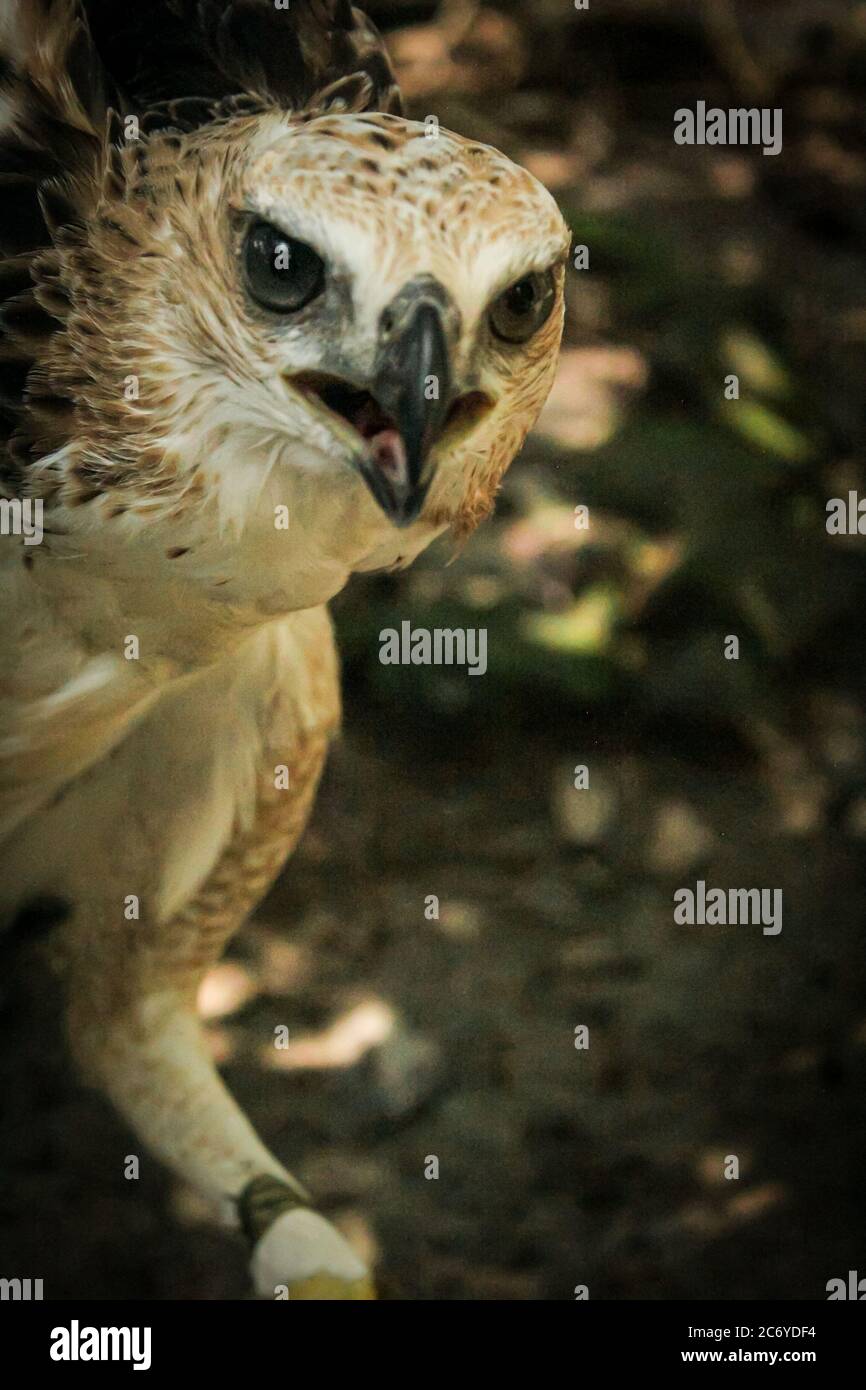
(233, 1339)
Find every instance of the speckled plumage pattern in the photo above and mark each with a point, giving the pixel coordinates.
(166, 650)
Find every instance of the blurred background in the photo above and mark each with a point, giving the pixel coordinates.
(413, 1037)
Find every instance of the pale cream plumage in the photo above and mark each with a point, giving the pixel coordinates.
(165, 421)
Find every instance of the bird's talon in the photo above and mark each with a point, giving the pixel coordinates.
(297, 1254)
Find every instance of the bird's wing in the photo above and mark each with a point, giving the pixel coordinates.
(70, 70)
(62, 706)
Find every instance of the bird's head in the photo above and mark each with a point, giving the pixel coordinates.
(404, 288)
(338, 328)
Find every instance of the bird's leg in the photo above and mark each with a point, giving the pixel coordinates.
(151, 1060)
(134, 1030)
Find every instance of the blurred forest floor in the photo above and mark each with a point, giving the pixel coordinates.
(412, 1038)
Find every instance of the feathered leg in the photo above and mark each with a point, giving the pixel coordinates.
(135, 1034)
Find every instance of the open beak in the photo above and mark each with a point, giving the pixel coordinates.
(412, 384)
(410, 404)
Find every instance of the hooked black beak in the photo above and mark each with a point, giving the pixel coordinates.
(412, 382)
(409, 402)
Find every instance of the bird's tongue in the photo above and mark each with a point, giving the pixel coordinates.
(389, 455)
(383, 440)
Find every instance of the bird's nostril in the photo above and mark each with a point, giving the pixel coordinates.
(387, 322)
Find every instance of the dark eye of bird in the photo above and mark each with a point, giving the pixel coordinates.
(523, 308)
(281, 273)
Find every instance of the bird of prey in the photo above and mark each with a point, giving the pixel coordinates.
(259, 333)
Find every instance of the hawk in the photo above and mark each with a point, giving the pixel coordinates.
(259, 333)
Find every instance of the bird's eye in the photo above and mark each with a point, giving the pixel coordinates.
(523, 308)
(281, 273)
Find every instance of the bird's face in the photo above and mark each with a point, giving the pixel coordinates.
(348, 322)
(405, 289)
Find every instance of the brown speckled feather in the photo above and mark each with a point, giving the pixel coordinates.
(208, 463)
(76, 67)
